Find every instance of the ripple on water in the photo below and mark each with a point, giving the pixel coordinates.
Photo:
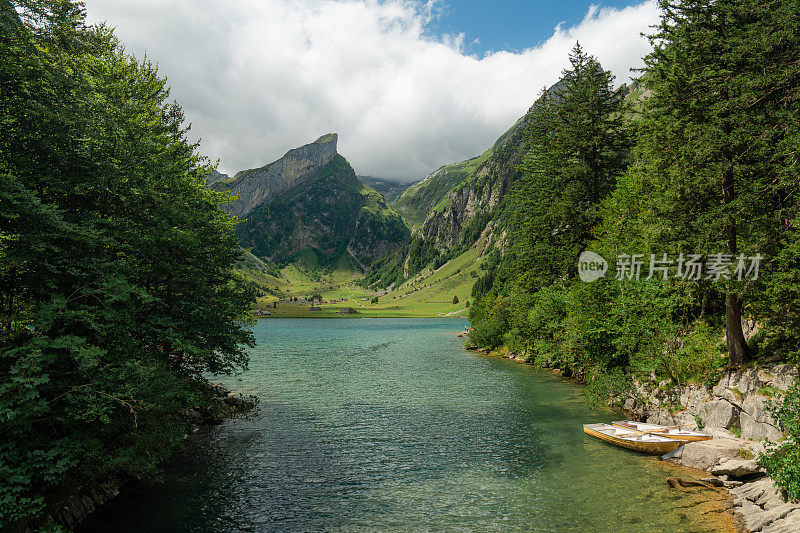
(371, 425)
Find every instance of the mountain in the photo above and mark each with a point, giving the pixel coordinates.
(455, 207)
(417, 201)
(310, 205)
(389, 189)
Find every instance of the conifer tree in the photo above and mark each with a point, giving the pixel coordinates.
(718, 141)
(577, 146)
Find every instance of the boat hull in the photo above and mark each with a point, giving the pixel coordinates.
(653, 448)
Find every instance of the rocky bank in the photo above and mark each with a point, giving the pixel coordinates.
(735, 412)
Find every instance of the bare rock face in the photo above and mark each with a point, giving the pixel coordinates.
(310, 204)
(261, 185)
(739, 401)
(720, 414)
(755, 420)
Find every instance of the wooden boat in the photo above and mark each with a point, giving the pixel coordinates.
(672, 432)
(633, 440)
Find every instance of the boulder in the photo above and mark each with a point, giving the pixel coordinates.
(694, 399)
(779, 376)
(754, 429)
(705, 454)
(750, 514)
(720, 414)
(665, 418)
(787, 524)
(758, 521)
(738, 384)
(736, 468)
(752, 492)
(755, 420)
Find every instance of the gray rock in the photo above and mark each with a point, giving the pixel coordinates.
(736, 468)
(708, 453)
(788, 524)
(694, 399)
(738, 384)
(758, 521)
(750, 513)
(772, 498)
(755, 420)
(780, 376)
(258, 186)
(752, 491)
(720, 414)
(752, 428)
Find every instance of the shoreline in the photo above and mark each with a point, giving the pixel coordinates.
(75, 508)
(725, 465)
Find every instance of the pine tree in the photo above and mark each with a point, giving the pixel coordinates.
(718, 143)
(577, 146)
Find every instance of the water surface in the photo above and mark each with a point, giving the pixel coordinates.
(389, 424)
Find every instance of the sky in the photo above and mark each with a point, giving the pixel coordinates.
(409, 85)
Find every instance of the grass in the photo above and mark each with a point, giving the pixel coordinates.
(429, 294)
(770, 392)
(744, 453)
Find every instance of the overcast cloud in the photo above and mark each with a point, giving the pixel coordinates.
(258, 77)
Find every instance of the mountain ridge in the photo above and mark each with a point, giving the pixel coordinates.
(311, 201)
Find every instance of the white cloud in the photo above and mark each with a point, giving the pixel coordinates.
(257, 78)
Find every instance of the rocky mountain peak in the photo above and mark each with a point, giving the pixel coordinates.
(256, 187)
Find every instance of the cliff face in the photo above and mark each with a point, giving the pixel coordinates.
(259, 186)
(310, 201)
(481, 192)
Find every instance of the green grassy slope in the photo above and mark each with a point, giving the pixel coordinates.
(429, 294)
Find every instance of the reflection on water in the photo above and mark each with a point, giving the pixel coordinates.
(371, 425)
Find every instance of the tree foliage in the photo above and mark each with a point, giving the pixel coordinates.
(117, 291)
(577, 146)
(782, 461)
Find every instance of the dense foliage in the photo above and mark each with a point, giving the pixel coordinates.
(701, 157)
(783, 461)
(117, 289)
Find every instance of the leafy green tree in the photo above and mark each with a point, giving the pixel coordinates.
(783, 461)
(117, 284)
(577, 146)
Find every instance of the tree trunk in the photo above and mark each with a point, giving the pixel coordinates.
(737, 346)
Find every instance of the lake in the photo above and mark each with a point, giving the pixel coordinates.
(390, 425)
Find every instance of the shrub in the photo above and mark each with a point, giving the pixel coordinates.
(783, 461)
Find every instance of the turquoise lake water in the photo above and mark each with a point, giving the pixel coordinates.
(390, 425)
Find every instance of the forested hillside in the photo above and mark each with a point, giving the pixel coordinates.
(690, 195)
(116, 265)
